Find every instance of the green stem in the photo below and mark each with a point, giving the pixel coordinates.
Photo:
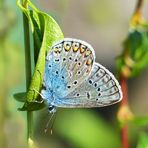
(29, 125)
(28, 70)
(27, 49)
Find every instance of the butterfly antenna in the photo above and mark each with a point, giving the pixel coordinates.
(49, 121)
(52, 124)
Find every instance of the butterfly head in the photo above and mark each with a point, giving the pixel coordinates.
(52, 109)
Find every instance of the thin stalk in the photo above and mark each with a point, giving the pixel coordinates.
(124, 129)
(29, 125)
(139, 6)
(123, 82)
(28, 70)
(27, 48)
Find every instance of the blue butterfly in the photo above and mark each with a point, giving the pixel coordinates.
(72, 78)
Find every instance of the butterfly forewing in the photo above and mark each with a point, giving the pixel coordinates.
(68, 65)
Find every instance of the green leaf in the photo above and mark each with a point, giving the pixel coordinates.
(134, 57)
(45, 31)
(32, 106)
(21, 97)
(143, 141)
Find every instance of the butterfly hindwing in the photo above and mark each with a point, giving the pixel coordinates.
(100, 89)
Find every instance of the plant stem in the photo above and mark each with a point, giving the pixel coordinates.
(139, 6)
(124, 130)
(123, 82)
(29, 125)
(27, 49)
(124, 87)
(28, 70)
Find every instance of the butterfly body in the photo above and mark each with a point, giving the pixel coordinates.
(73, 79)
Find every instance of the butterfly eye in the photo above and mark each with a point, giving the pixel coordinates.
(67, 46)
(82, 48)
(50, 108)
(75, 46)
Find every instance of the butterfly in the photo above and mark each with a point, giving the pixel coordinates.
(72, 78)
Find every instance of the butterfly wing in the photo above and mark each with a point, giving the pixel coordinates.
(100, 89)
(68, 65)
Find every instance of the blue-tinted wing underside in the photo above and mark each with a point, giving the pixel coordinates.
(67, 66)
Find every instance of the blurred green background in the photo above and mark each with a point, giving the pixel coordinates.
(103, 24)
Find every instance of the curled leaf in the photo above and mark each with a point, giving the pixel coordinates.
(21, 97)
(45, 31)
